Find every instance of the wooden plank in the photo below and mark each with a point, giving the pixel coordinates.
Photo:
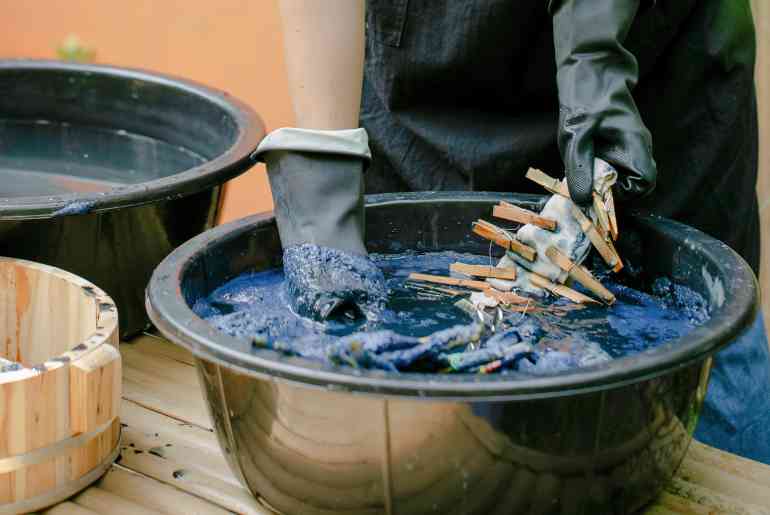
(722, 474)
(668, 503)
(513, 213)
(163, 384)
(102, 501)
(737, 466)
(70, 508)
(183, 456)
(157, 346)
(155, 495)
(222, 493)
(508, 273)
(708, 501)
(187, 446)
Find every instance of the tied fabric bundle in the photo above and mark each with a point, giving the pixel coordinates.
(568, 237)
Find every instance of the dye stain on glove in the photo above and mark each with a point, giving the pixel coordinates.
(325, 283)
(418, 331)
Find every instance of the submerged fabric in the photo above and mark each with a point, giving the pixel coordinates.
(736, 412)
(422, 330)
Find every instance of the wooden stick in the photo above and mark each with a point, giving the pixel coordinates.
(448, 281)
(428, 288)
(560, 289)
(495, 237)
(615, 252)
(580, 274)
(611, 213)
(532, 308)
(513, 213)
(503, 239)
(601, 213)
(506, 297)
(484, 271)
(607, 252)
(555, 186)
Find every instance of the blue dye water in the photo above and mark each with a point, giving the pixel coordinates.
(49, 158)
(256, 306)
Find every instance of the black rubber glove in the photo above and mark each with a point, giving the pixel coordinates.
(316, 178)
(597, 114)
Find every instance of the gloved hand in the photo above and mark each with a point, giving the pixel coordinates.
(568, 237)
(597, 114)
(316, 179)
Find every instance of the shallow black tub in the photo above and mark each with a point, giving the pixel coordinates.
(314, 439)
(103, 171)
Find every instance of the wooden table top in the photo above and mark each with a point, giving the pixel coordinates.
(171, 462)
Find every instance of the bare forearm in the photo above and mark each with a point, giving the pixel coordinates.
(324, 45)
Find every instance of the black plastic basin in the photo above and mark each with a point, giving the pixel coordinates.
(315, 439)
(103, 171)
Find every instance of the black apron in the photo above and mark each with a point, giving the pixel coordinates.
(462, 96)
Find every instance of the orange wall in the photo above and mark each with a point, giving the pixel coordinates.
(233, 45)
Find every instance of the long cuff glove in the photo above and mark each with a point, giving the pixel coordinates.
(597, 114)
(316, 178)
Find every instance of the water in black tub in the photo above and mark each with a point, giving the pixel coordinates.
(47, 158)
(426, 332)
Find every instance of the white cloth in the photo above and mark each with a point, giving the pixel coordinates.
(568, 237)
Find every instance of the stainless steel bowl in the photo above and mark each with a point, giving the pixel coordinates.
(315, 439)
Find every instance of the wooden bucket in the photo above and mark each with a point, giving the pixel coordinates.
(60, 385)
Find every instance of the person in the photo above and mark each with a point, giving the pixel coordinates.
(468, 95)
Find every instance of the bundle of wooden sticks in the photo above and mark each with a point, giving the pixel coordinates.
(602, 236)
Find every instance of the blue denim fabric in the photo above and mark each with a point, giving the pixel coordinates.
(736, 411)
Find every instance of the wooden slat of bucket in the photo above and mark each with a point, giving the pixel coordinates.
(47, 313)
(63, 426)
(95, 388)
(95, 392)
(33, 293)
(30, 423)
(46, 423)
(8, 314)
